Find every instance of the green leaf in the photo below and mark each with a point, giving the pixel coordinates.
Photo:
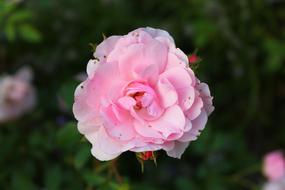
(275, 55)
(124, 186)
(82, 157)
(53, 178)
(20, 181)
(93, 179)
(204, 32)
(29, 33)
(184, 184)
(10, 32)
(66, 92)
(20, 15)
(68, 136)
(6, 8)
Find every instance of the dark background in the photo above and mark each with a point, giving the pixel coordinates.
(242, 44)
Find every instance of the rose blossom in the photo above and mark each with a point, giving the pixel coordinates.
(17, 96)
(140, 95)
(274, 165)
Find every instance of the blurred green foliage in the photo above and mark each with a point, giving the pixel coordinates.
(242, 44)
(14, 23)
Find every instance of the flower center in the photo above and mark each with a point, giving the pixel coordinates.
(141, 98)
(141, 93)
(138, 97)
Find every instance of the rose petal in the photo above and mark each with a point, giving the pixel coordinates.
(178, 149)
(137, 57)
(146, 130)
(171, 122)
(105, 48)
(157, 33)
(198, 125)
(195, 109)
(103, 147)
(127, 102)
(166, 92)
(92, 67)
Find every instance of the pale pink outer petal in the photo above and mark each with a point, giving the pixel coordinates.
(154, 147)
(173, 61)
(103, 147)
(105, 48)
(178, 149)
(155, 33)
(147, 147)
(90, 123)
(206, 97)
(88, 126)
(198, 125)
(88, 94)
(82, 111)
(125, 42)
(192, 75)
(181, 55)
(195, 109)
(92, 67)
(134, 37)
(167, 42)
(99, 153)
(87, 98)
(188, 125)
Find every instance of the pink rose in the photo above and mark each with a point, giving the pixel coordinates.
(274, 165)
(140, 96)
(17, 96)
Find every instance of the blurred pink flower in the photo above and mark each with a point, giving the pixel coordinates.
(275, 185)
(274, 165)
(17, 95)
(141, 95)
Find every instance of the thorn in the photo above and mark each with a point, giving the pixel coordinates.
(154, 159)
(93, 46)
(142, 166)
(104, 36)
